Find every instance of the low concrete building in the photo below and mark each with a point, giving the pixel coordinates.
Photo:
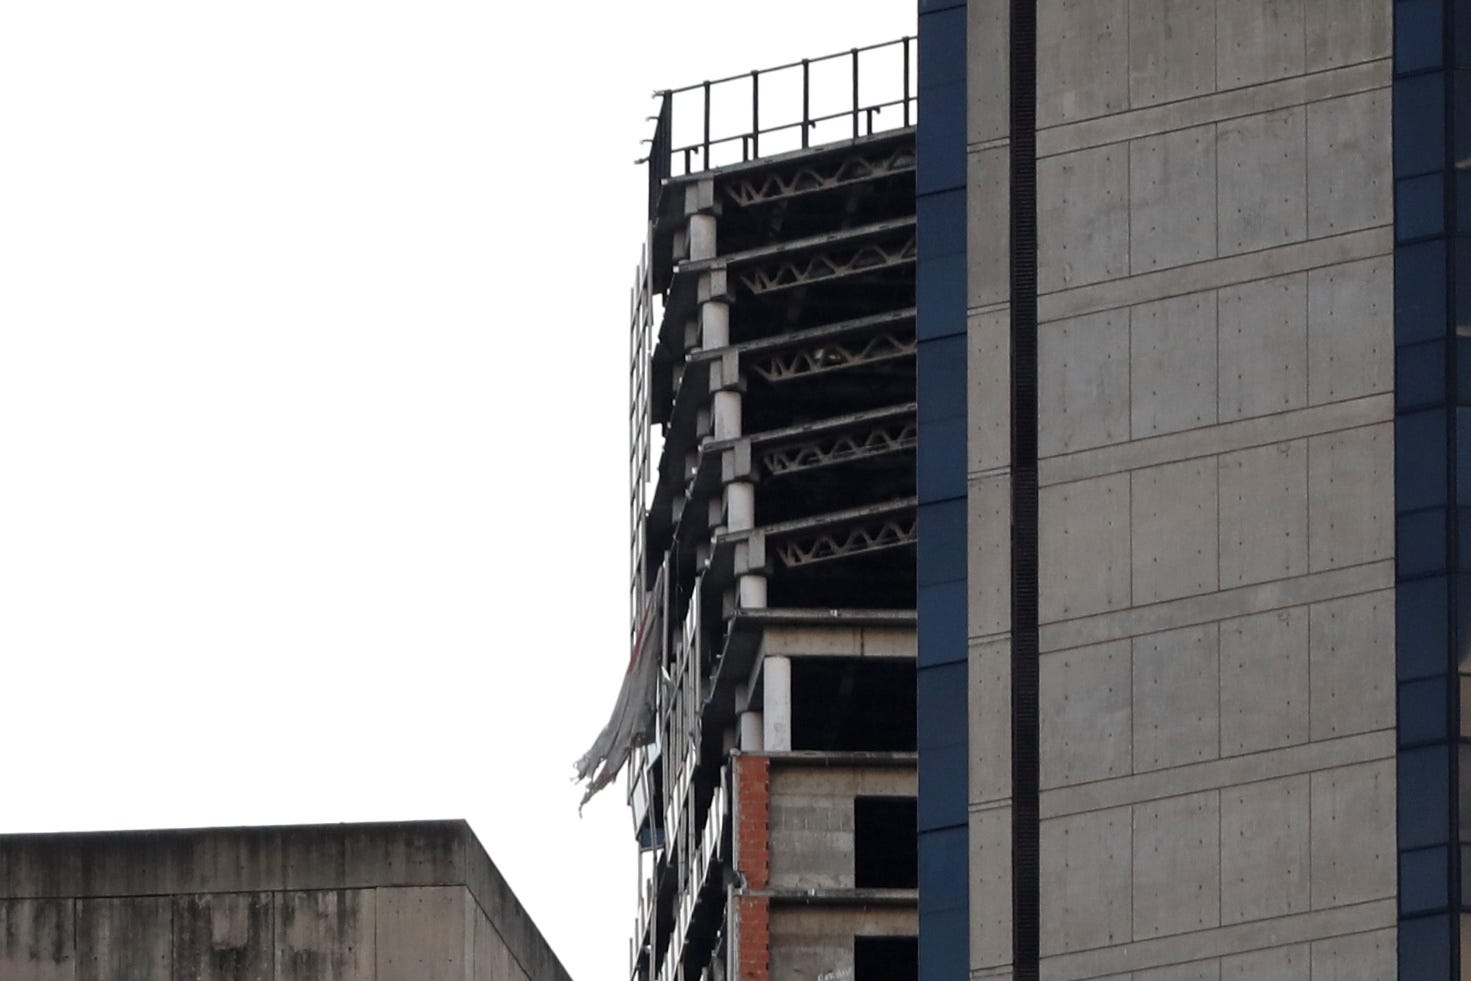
(418, 901)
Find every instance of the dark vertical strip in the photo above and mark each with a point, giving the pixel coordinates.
(1429, 567)
(1024, 661)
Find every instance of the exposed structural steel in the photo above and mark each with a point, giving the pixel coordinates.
(767, 720)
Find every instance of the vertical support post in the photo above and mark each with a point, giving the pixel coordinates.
(755, 115)
(705, 162)
(806, 102)
(776, 730)
(906, 81)
(855, 93)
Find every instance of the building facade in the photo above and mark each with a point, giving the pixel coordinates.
(1188, 585)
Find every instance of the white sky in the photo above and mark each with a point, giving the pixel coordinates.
(313, 354)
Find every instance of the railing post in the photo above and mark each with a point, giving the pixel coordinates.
(806, 108)
(906, 81)
(755, 115)
(855, 93)
(705, 161)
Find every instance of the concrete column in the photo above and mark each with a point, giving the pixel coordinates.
(752, 595)
(751, 733)
(702, 237)
(714, 324)
(740, 505)
(726, 407)
(776, 729)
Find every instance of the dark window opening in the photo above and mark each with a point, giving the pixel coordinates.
(885, 843)
(856, 705)
(885, 959)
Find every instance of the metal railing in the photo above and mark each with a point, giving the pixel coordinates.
(666, 159)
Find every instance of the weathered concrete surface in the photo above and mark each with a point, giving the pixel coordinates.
(416, 901)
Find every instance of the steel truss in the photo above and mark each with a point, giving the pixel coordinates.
(887, 437)
(874, 536)
(820, 176)
(835, 355)
(828, 265)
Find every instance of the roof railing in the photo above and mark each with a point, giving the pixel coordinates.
(716, 145)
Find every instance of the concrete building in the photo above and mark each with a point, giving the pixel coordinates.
(1186, 489)
(418, 901)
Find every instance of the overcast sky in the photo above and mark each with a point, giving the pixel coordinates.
(313, 352)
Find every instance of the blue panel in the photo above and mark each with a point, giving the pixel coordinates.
(1419, 207)
(1419, 461)
(941, 219)
(930, 6)
(941, 366)
(1419, 124)
(1424, 797)
(1417, 35)
(1419, 292)
(1462, 273)
(941, 471)
(1425, 949)
(944, 948)
(944, 693)
(943, 774)
(1424, 880)
(1422, 627)
(941, 853)
(1419, 376)
(1420, 543)
(941, 542)
(941, 140)
(1422, 711)
(942, 38)
(1463, 460)
(942, 628)
(940, 293)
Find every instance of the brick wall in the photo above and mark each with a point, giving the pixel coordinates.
(753, 861)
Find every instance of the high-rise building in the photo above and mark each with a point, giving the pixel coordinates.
(1186, 496)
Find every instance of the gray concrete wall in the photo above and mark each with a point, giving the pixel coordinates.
(1216, 356)
(812, 820)
(392, 902)
(817, 944)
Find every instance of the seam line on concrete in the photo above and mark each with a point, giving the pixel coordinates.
(1226, 437)
(1210, 607)
(1217, 107)
(1233, 270)
(1228, 772)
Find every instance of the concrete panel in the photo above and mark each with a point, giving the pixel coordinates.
(1350, 330)
(38, 939)
(1264, 513)
(493, 960)
(1349, 183)
(988, 555)
(1292, 963)
(1173, 364)
(1264, 347)
(325, 935)
(1083, 382)
(1359, 957)
(1264, 681)
(224, 937)
(123, 938)
(1082, 59)
(1176, 686)
(1084, 547)
(990, 888)
(1177, 865)
(1086, 714)
(988, 400)
(1350, 497)
(1209, 970)
(1085, 869)
(990, 721)
(814, 942)
(1346, 32)
(1258, 41)
(1264, 852)
(1263, 173)
(988, 69)
(1172, 199)
(1082, 217)
(421, 934)
(988, 247)
(1352, 665)
(1172, 50)
(811, 840)
(1174, 518)
(1353, 834)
